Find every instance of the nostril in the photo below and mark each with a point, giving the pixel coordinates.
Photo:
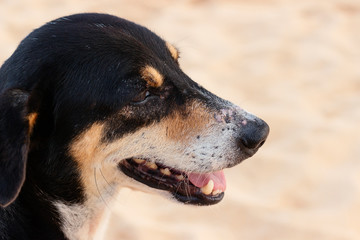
(251, 142)
(253, 135)
(261, 143)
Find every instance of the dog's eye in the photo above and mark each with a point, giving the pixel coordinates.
(141, 97)
(151, 93)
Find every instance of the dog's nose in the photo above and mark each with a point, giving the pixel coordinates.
(253, 134)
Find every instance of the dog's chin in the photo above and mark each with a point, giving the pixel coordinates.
(181, 185)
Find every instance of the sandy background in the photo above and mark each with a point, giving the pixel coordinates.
(294, 63)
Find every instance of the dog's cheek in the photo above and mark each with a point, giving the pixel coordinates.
(86, 151)
(186, 126)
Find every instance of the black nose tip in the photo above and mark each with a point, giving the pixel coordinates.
(254, 134)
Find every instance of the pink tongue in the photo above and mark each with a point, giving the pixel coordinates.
(201, 179)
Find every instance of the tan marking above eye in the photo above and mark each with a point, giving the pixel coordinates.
(32, 119)
(152, 76)
(174, 52)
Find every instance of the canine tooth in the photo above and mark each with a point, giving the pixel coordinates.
(216, 192)
(207, 189)
(165, 171)
(139, 161)
(151, 165)
(180, 177)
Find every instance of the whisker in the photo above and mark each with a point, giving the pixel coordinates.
(106, 179)
(187, 190)
(178, 187)
(113, 194)
(97, 187)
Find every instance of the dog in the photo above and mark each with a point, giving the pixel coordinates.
(90, 103)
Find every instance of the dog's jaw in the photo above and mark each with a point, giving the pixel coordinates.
(191, 188)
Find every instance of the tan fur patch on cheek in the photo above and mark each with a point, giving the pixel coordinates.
(174, 52)
(180, 127)
(86, 150)
(152, 76)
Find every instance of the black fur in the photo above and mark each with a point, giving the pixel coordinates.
(73, 71)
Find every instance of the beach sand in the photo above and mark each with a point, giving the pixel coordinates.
(296, 64)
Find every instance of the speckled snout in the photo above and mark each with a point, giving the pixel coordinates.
(251, 131)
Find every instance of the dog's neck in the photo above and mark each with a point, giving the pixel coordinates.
(80, 222)
(29, 218)
(36, 215)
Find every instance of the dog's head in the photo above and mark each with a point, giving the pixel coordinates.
(92, 102)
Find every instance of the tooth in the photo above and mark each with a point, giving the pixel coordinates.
(139, 161)
(165, 171)
(151, 165)
(180, 177)
(216, 192)
(207, 189)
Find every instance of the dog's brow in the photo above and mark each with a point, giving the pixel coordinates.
(174, 52)
(32, 119)
(152, 76)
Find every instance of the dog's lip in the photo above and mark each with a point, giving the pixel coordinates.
(190, 188)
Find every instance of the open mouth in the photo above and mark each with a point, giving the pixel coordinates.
(190, 188)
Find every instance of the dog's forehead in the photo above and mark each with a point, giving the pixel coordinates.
(153, 58)
(104, 37)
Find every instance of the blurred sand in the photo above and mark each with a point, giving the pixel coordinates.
(296, 64)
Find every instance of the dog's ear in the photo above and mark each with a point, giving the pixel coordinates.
(14, 143)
